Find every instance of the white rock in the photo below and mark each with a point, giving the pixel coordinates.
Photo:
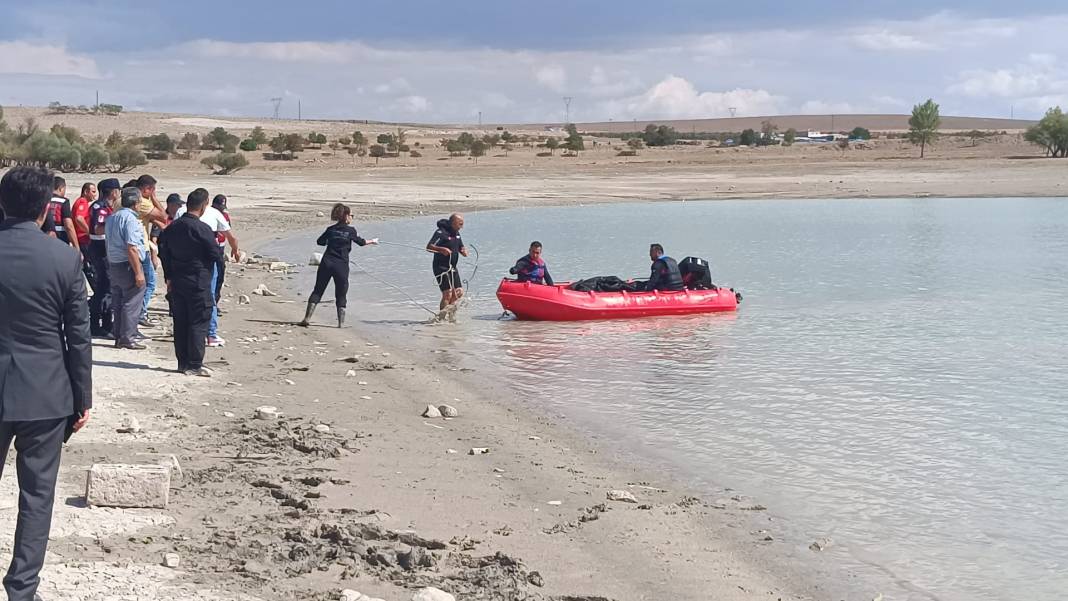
(533, 437)
(350, 373)
(431, 411)
(478, 451)
(320, 214)
(278, 266)
(121, 485)
(263, 290)
(351, 595)
(432, 594)
(315, 259)
(365, 397)
(244, 300)
(130, 425)
(266, 412)
(821, 544)
(555, 503)
(362, 383)
(450, 451)
(228, 413)
(290, 382)
(448, 411)
(172, 560)
(322, 428)
(621, 495)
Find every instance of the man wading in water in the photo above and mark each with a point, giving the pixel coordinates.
(338, 240)
(447, 247)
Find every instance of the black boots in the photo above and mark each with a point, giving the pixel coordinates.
(341, 317)
(308, 314)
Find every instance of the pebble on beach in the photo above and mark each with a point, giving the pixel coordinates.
(172, 560)
(431, 411)
(821, 544)
(266, 412)
(448, 411)
(478, 451)
(244, 300)
(432, 594)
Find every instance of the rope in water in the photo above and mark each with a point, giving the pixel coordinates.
(439, 314)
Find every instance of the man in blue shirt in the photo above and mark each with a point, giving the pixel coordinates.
(126, 247)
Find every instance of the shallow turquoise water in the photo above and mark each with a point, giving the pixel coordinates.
(895, 378)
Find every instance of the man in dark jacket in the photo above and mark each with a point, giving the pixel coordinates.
(189, 254)
(45, 362)
(532, 268)
(665, 274)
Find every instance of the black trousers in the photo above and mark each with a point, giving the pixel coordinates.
(191, 309)
(330, 269)
(100, 302)
(219, 282)
(38, 444)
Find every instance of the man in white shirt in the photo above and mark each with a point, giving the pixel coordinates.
(218, 224)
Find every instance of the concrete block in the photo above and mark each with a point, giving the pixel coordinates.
(120, 485)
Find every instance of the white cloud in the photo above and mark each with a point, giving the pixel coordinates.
(394, 86)
(44, 59)
(292, 52)
(886, 40)
(413, 104)
(677, 98)
(1038, 75)
(553, 77)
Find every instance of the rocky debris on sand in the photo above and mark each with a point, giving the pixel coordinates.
(322, 428)
(278, 266)
(350, 373)
(172, 560)
(432, 594)
(244, 300)
(351, 595)
(432, 411)
(621, 495)
(121, 485)
(448, 411)
(586, 514)
(315, 259)
(821, 544)
(267, 412)
(263, 290)
(130, 425)
(290, 437)
(536, 579)
(478, 451)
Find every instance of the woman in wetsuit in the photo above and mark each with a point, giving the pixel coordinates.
(338, 240)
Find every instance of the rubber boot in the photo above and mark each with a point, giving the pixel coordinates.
(341, 317)
(308, 314)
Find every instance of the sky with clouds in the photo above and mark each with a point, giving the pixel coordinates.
(514, 60)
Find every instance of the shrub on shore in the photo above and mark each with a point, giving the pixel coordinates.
(225, 163)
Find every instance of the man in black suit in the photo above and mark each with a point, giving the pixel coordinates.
(189, 253)
(45, 363)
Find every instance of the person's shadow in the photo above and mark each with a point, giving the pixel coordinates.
(128, 365)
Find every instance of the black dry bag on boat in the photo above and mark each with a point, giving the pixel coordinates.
(696, 274)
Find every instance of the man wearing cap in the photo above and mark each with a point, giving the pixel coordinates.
(100, 303)
(127, 252)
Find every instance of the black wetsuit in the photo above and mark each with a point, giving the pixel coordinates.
(338, 240)
(445, 271)
(665, 275)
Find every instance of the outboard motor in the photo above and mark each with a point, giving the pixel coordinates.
(696, 274)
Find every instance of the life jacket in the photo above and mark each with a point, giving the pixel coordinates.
(531, 270)
(56, 206)
(669, 277)
(99, 212)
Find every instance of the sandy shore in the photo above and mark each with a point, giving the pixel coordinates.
(375, 501)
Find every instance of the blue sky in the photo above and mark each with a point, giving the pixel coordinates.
(513, 60)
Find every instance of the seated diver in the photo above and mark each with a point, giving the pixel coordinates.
(531, 267)
(665, 273)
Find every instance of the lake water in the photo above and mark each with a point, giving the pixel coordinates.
(895, 378)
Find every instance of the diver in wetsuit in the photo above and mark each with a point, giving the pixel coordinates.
(338, 240)
(447, 247)
(665, 273)
(532, 268)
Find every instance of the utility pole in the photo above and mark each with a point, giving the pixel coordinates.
(733, 110)
(567, 110)
(98, 100)
(298, 111)
(480, 119)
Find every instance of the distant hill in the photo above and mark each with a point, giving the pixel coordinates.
(804, 123)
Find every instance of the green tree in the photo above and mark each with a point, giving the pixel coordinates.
(378, 151)
(158, 143)
(748, 138)
(573, 141)
(127, 157)
(924, 124)
(114, 141)
(189, 142)
(860, 133)
(478, 148)
(661, 135)
(385, 139)
(552, 144)
(508, 137)
(767, 133)
(69, 134)
(359, 140)
(95, 158)
(789, 137)
(454, 147)
(248, 145)
(1051, 133)
(220, 138)
(291, 143)
(344, 140)
(225, 163)
(258, 137)
(466, 140)
(492, 140)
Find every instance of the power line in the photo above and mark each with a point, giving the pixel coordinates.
(567, 110)
(277, 104)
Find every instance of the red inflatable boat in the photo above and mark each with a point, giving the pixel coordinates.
(558, 303)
